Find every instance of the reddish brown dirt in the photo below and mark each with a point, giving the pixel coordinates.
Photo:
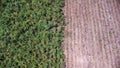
(92, 34)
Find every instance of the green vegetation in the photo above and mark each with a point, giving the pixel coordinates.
(31, 33)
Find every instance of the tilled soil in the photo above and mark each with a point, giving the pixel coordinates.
(92, 34)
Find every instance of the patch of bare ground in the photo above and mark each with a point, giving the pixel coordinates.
(92, 34)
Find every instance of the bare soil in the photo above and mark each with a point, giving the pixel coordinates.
(92, 34)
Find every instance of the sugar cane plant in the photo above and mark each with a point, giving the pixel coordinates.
(31, 33)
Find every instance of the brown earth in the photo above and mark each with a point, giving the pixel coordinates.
(92, 34)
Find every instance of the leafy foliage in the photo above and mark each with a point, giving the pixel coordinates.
(31, 33)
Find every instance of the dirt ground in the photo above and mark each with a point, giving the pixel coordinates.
(92, 34)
